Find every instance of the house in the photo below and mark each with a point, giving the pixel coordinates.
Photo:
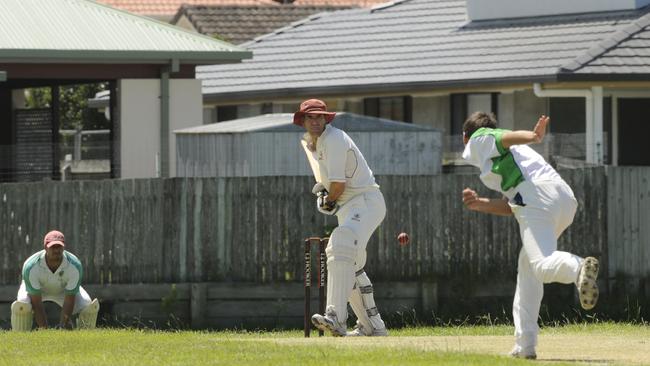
(165, 10)
(269, 145)
(148, 67)
(242, 23)
(431, 62)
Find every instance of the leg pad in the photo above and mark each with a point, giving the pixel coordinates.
(21, 316)
(88, 316)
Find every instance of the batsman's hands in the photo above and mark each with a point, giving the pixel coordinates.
(326, 207)
(318, 189)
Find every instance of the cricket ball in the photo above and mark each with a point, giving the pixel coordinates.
(403, 239)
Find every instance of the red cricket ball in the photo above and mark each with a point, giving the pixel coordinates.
(403, 239)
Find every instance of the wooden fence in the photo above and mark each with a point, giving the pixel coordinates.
(628, 220)
(250, 229)
(246, 232)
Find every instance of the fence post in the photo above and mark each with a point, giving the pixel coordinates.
(77, 144)
(428, 297)
(198, 305)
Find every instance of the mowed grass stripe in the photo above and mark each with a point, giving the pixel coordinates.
(595, 343)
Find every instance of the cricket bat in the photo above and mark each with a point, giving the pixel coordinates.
(312, 162)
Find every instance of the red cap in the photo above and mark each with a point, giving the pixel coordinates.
(314, 106)
(54, 237)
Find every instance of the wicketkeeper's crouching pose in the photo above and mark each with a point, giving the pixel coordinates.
(543, 205)
(346, 188)
(53, 274)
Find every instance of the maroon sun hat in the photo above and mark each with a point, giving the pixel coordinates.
(314, 106)
(52, 238)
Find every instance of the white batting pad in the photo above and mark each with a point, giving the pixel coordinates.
(21, 317)
(362, 301)
(341, 251)
(88, 316)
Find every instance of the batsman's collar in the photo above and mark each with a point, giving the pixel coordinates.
(328, 129)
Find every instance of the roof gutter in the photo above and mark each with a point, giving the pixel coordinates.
(210, 57)
(363, 90)
(593, 113)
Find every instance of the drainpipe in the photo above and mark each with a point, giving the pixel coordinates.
(163, 163)
(593, 113)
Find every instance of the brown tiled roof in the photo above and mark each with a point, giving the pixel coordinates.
(170, 7)
(239, 24)
(350, 3)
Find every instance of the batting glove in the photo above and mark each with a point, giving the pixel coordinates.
(326, 207)
(318, 189)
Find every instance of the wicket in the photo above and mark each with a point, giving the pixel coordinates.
(322, 262)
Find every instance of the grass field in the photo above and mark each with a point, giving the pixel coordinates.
(601, 344)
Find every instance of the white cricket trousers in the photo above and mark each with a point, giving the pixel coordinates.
(363, 214)
(81, 300)
(549, 209)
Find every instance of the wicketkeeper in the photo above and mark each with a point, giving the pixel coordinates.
(53, 274)
(544, 206)
(345, 187)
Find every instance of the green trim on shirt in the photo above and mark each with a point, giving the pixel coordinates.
(27, 267)
(73, 260)
(498, 135)
(504, 164)
(507, 168)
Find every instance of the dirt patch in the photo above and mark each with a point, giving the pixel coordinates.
(587, 348)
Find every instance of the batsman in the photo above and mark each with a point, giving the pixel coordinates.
(53, 274)
(345, 187)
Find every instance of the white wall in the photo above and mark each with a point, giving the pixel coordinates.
(506, 113)
(527, 109)
(185, 110)
(432, 112)
(139, 102)
(139, 125)
(500, 9)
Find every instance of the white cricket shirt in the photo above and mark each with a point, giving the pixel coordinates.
(339, 160)
(40, 280)
(503, 169)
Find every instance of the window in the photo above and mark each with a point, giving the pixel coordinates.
(462, 105)
(395, 108)
(568, 126)
(226, 113)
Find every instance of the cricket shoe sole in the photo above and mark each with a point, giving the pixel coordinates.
(587, 283)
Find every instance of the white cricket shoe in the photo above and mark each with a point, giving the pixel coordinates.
(587, 283)
(361, 331)
(329, 322)
(525, 353)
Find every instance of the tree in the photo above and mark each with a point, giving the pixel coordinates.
(73, 105)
